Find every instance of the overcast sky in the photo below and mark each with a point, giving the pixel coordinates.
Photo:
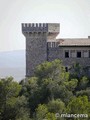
(73, 16)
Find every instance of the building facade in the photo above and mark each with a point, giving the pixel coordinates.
(42, 45)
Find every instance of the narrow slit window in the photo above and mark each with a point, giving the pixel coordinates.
(66, 68)
(66, 54)
(78, 54)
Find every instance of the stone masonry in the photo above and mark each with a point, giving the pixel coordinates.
(42, 45)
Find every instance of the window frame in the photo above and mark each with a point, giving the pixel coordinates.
(79, 54)
(67, 54)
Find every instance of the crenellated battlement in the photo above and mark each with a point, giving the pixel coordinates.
(40, 27)
(34, 27)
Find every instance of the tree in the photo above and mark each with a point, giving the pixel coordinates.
(56, 106)
(79, 105)
(46, 84)
(71, 85)
(51, 70)
(51, 77)
(76, 71)
(83, 83)
(85, 92)
(9, 90)
(10, 102)
(22, 110)
(50, 90)
(41, 112)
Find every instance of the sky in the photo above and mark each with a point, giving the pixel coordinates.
(73, 16)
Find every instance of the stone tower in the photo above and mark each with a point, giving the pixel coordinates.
(37, 36)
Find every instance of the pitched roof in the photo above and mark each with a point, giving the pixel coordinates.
(74, 42)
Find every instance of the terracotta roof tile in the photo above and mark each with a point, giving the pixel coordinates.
(74, 42)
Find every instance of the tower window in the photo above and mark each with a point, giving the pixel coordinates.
(66, 68)
(66, 54)
(79, 54)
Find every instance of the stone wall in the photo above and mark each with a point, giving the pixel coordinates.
(36, 51)
(59, 53)
(37, 35)
(41, 45)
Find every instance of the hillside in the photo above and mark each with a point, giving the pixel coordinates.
(12, 63)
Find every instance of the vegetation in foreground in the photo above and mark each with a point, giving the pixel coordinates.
(51, 92)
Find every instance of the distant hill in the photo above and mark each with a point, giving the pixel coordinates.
(12, 63)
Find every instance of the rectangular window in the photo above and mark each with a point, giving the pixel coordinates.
(66, 68)
(66, 54)
(78, 54)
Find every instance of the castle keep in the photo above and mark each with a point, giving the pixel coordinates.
(42, 45)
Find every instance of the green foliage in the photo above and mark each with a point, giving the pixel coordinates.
(56, 106)
(33, 92)
(72, 84)
(76, 70)
(84, 92)
(41, 112)
(50, 70)
(23, 112)
(83, 82)
(10, 103)
(50, 116)
(9, 90)
(79, 105)
(51, 77)
(51, 91)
